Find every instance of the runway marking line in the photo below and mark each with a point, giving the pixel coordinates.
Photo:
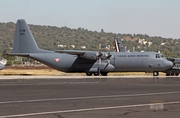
(81, 110)
(90, 97)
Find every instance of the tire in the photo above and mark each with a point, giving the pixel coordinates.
(96, 74)
(155, 73)
(88, 74)
(177, 74)
(104, 73)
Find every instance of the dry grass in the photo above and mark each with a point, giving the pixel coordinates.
(36, 72)
(32, 70)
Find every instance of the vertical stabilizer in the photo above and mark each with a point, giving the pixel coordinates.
(118, 45)
(23, 39)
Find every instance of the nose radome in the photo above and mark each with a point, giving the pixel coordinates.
(168, 64)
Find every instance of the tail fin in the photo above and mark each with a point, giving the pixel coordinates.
(23, 39)
(118, 45)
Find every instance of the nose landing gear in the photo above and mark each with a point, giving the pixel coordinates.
(155, 73)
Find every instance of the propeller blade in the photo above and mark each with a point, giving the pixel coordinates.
(100, 61)
(98, 55)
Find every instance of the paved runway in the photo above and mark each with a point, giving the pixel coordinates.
(125, 97)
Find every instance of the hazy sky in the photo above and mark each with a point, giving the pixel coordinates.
(151, 17)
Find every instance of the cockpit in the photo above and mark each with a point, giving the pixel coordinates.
(160, 56)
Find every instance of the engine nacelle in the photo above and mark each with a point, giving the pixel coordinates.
(106, 56)
(96, 55)
(174, 60)
(92, 55)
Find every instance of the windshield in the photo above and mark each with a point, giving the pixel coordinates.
(160, 56)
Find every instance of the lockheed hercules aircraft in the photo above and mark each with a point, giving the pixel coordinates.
(90, 62)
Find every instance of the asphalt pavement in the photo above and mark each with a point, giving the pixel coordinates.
(92, 97)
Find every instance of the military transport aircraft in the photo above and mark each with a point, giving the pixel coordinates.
(2, 63)
(90, 62)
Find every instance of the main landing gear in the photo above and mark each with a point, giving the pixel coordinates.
(96, 73)
(172, 74)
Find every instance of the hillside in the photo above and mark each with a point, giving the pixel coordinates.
(55, 38)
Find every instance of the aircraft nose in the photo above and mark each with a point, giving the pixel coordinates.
(168, 64)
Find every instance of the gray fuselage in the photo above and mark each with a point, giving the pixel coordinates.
(122, 62)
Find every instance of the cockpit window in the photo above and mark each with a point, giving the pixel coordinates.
(162, 56)
(159, 56)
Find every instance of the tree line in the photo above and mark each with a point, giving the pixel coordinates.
(50, 37)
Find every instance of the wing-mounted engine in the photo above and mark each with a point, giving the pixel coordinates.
(106, 56)
(175, 70)
(92, 55)
(174, 60)
(96, 55)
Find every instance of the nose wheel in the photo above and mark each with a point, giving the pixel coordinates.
(155, 73)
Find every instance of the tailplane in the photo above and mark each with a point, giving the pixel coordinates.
(118, 45)
(24, 41)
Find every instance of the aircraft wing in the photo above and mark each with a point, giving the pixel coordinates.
(18, 54)
(92, 55)
(72, 52)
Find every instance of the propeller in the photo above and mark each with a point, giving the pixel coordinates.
(171, 59)
(108, 56)
(98, 56)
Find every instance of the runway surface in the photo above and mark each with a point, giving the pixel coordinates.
(92, 97)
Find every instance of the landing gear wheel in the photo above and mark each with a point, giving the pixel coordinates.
(104, 73)
(155, 73)
(88, 74)
(167, 74)
(177, 74)
(96, 74)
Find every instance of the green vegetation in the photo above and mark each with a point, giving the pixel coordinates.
(54, 38)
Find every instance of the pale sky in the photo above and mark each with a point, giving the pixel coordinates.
(151, 17)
